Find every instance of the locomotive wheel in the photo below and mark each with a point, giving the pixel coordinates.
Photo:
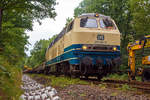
(84, 69)
(72, 76)
(47, 70)
(99, 77)
(72, 73)
(58, 70)
(66, 69)
(87, 77)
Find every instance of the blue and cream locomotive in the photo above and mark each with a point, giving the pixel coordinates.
(88, 46)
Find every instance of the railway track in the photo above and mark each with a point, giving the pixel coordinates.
(144, 86)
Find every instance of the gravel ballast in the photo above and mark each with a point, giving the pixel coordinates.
(35, 91)
(93, 92)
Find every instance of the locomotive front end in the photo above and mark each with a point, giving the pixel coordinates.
(96, 45)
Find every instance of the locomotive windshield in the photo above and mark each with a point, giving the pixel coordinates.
(107, 24)
(88, 23)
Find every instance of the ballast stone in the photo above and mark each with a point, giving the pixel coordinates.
(56, 98)
(36, 91)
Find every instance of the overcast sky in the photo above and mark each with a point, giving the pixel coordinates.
(49, 27)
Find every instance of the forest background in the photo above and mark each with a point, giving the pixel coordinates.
(131, 16)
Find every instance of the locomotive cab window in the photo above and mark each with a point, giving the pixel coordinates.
(107, 24)
(88, 23)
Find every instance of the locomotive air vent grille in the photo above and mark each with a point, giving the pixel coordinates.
(102, 48)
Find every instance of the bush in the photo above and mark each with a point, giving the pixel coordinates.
(10, 82)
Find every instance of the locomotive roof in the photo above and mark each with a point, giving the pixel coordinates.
(93, 15)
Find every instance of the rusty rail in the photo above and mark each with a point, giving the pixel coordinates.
(134, 84)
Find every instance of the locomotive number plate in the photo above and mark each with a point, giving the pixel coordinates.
(100, 37)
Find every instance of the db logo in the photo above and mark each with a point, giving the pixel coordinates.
(100, 37)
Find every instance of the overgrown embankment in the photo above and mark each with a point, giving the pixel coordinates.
(123, 76)
(76, 89)
(10, 82)
(58, 82)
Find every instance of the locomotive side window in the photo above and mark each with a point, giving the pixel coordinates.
(88, 23)
(107, 24)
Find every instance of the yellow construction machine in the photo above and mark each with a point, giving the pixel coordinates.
(26, 68)
(142, 46)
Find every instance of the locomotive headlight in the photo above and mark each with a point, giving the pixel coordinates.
(114, 48)
(96, 15)
(84, 47)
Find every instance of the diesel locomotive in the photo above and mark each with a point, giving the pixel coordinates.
(88, 46)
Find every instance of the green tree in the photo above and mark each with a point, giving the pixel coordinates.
(36, 9)
(12, 41)
(141, 17)
(16, 16)
(80, 9)
(38, 52)
(68, 20)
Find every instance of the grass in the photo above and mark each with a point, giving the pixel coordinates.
(114, 94)
(138, 78)
(116, 77)
(102, 86)
(82, 94)
(60, 81)
(119, 77)
(126, 87)
(63, 82)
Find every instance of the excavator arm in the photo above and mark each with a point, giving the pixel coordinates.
(131, 58)
(132, 47)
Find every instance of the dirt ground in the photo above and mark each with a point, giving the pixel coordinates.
(95, 92)
(86, 92)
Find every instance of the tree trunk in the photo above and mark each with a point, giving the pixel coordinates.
(1, 14)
